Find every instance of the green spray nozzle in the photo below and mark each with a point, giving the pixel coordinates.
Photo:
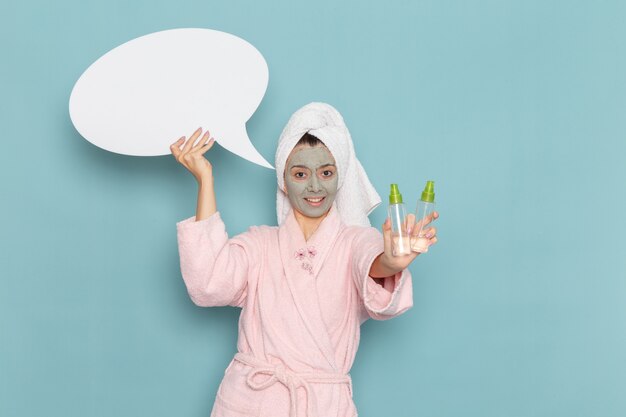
(428, 195)
(394, 195)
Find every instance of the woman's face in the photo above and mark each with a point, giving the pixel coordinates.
(311, 180)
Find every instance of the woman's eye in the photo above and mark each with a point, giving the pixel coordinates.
(299, 174)
(327, 173)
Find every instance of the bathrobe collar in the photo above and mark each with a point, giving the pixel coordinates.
(302, 261)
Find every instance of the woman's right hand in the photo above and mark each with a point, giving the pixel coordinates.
(192, 156)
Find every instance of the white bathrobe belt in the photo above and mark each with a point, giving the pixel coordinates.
(291, 380)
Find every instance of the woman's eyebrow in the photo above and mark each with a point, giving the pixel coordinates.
(306, 167)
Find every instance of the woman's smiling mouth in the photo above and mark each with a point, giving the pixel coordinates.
(315, 202)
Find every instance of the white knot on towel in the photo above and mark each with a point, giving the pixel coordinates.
(291, 380)
(356, 196)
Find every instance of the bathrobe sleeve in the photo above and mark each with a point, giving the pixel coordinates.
(215, 268)
(380, 302)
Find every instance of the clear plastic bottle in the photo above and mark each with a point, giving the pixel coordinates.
(400, 241)
(423, 218)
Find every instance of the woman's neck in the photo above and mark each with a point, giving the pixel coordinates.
(308, 225)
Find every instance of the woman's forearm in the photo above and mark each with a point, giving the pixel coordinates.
(381, 269)
(206, 198)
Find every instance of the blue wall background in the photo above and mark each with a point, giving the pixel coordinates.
(517, 109)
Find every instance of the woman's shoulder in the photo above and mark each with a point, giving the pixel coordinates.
(354, 232)
(263, 231)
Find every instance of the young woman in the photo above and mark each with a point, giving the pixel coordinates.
(304, 287)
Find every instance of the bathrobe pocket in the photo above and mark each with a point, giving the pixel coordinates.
(223, 408)
(234, 396)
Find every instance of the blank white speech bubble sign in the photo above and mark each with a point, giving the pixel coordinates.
(140, 97)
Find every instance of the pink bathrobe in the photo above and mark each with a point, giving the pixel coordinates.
(302, 306)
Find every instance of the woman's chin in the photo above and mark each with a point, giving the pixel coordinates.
(313, 210)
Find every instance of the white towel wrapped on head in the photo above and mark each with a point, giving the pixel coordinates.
(356, 196)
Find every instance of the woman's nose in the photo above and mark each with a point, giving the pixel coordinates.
(314, 184)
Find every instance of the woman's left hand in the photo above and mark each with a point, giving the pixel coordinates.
(387, 264)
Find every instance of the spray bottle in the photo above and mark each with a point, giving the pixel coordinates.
(423, 216)
(400, 241)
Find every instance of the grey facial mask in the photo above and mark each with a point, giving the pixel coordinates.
(307, 180)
